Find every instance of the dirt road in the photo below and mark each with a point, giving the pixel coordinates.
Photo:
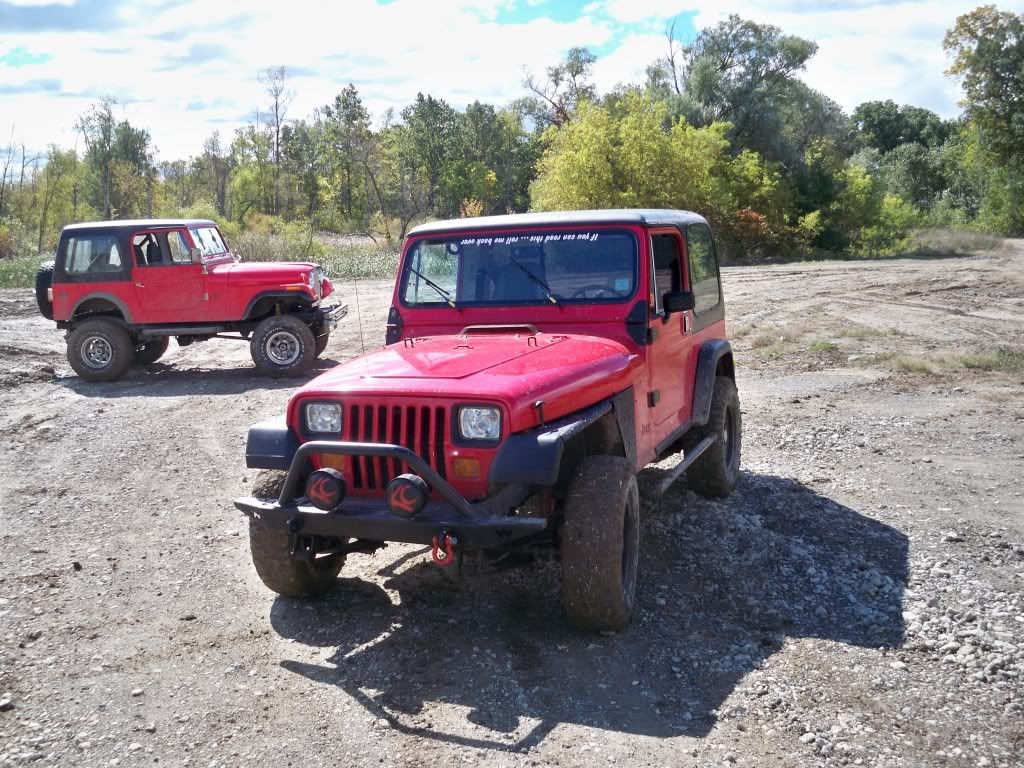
(857, 601)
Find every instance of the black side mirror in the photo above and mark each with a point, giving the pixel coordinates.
(678, 301)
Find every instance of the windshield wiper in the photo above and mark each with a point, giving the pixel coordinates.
(536, 281)
(441, 291)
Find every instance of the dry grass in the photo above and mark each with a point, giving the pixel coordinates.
(914, 364)
(858, 331)
(1000, 361)
(822, 345)
(940, 363)
(947, 242)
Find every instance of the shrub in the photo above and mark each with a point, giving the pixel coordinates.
(15, 240)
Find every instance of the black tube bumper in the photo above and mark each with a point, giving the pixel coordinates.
(369, 519)
(488, 523)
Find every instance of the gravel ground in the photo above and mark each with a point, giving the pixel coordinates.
(857, 601)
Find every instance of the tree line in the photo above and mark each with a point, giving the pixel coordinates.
(723, 125)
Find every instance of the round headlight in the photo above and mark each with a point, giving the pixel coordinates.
(323, 417)
(478, 422)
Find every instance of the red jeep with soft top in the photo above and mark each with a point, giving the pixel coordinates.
(534, 364)
(122, 288)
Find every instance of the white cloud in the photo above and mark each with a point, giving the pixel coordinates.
(450, 48)
(164, 59)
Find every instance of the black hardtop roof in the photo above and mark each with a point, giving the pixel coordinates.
(651, 217)
(123, 224)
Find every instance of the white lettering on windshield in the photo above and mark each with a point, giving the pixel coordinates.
(580, 237)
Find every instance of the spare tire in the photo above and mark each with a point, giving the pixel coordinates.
(44, 279)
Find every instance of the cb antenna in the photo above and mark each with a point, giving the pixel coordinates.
(359, 314)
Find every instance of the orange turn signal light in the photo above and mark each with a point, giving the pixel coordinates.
(332, 460)
(468, 469)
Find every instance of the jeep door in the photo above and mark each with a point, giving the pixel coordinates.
(169, 287)
(703, 280)
(670, 394)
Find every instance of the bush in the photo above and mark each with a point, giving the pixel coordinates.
(20, 272)
(897, 219)
(339, 255)
(15, 240)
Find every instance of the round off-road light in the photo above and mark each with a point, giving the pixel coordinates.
(326, 488)
(407, 495)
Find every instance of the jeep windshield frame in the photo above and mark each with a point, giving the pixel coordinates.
(521, 267)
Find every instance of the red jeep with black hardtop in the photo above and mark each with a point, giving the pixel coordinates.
(534, 364)
(121, 289)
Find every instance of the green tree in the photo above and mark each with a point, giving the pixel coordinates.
(251, 182)
(884, 125)
(914, 173)
(349, 139)
(57, 176)
(987, 48)
(434, 131)
(743, 73)
(305, 157)
(568, 84)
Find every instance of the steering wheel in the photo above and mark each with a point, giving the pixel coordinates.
(599, 290)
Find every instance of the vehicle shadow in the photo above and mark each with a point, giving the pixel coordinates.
(174, 380)
(723, 584)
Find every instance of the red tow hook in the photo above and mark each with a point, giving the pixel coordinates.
(443, 551)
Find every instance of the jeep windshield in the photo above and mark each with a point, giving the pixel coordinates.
(208, 241)
(521, 267)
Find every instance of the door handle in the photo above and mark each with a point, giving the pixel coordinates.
(686, 322)
(139, 285)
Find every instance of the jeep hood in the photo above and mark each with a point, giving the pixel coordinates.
(566, 371)
(259, 273)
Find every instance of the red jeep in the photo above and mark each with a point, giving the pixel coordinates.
(534, 364)
(122, 288)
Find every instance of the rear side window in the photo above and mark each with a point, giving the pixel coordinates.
(92, 255)
(703, 268)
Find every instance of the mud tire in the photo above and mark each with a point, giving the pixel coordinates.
(716, 471)
(291, 331)
(152, 350)
(271, 553)
(600, 544)
(115, 343)
(321, 344)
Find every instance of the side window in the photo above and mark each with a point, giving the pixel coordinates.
(665, 257)
(147, 251)
(431, 262)
(703, 268)
(92, 255)
(177, 247)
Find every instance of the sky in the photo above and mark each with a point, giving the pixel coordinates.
(185, 68)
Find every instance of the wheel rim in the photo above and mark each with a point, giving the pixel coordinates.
(728, 437)
(97, 352)
(282, 348)
(629, 553)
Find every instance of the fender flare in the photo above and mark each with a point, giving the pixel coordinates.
(274, 295)
(270, 445)
(711, 353)
(535, 457)
(122, 307)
